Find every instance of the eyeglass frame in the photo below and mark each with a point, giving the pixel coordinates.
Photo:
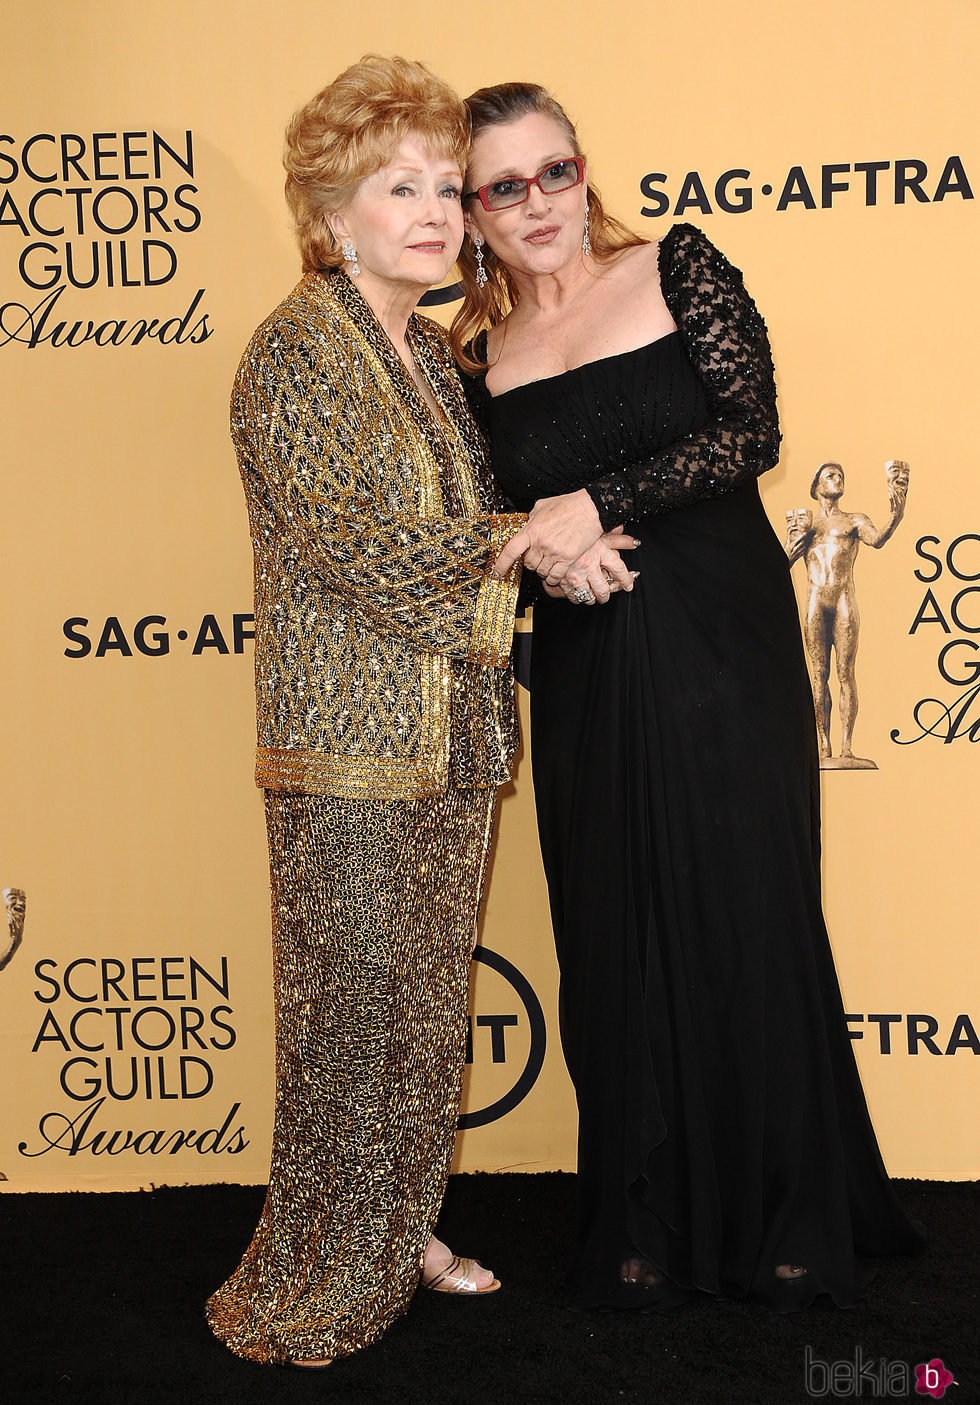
(481, 193)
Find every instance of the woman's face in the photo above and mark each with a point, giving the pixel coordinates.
(544, 233)
(405, 221)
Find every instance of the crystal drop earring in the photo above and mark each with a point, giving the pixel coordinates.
(481, 272)
(350, 256)
(586, 241)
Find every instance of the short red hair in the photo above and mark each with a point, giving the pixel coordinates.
(351, 129)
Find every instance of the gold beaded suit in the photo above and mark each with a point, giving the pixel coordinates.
(386, 720)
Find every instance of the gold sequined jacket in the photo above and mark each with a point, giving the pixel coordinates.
(382, 637)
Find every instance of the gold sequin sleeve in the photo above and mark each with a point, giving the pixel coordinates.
(320, 450)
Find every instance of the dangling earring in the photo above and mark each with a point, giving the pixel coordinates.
(586, 241)
(481, 272)
(350, 256)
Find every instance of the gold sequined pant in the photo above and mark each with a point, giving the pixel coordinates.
(373, 908)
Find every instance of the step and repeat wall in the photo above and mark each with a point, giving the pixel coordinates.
(833, 154)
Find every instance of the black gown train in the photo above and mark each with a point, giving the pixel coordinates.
(723, 1129)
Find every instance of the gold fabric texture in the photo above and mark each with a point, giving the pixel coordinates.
(373, 908)
(386, 719)
(381, 632)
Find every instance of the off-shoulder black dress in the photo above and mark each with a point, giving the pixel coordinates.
(723, 1128)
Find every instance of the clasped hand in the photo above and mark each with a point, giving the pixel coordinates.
(563, 542)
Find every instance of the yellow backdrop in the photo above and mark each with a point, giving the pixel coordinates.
(832, 153)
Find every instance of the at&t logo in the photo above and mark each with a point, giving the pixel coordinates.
(506, 1044)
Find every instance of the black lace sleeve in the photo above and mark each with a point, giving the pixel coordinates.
(725, 339)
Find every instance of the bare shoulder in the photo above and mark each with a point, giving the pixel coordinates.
(495, 340)
(635, 289)
(634, 274)
(639, 263)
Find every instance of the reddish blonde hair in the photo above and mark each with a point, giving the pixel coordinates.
(486, 306)
(351, 129)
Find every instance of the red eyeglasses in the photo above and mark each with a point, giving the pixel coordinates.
(514, 190)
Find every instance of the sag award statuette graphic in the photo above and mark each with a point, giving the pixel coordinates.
(15, 904)
(11, 935)
(828, 543)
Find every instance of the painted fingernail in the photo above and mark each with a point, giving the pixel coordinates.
(635, 575)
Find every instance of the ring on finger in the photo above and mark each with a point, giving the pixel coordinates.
(583, 596)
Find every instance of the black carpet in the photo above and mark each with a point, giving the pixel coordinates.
(103, 1294)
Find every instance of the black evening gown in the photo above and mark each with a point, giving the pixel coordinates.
(723, 1129)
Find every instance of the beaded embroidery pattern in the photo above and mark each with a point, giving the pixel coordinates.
(373, 536)
(725, 339)
(373, 909)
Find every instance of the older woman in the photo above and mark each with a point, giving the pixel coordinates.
(385, 718)
(724, 1142)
